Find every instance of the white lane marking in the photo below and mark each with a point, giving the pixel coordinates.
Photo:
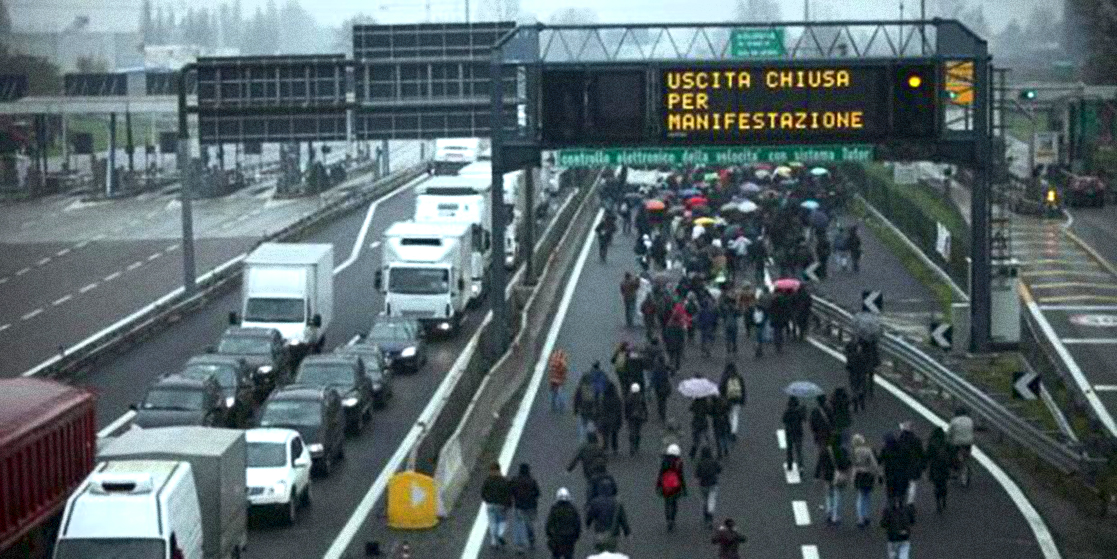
(1084, 341)
(99, 236)
(134, 265)
(5, 327)
(781, 439)
(23, 271)
(810, 551)
(1031, 515)
(481, 521)
(154, 256)
(1105, 387)
(353, 340)
(3, 280)
(81, 245)
(62, 252)
(32, 314)
(802, 513)
(793, 476)
(171, 248)
(88, 288)
(61, 300)
(112, 276)
(360, 241)
(1078, 308)
(116, 424)
(374, 244)
(43, 261)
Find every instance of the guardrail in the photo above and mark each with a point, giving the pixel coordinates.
(836, 322)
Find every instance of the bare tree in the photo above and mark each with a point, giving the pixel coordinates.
(501, 10)
(574, 16)
(757, 10)
(5, 19)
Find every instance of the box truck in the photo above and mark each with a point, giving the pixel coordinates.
(289, 287)
(48, 438)
(454, 199)
(513, 194)
(425, 271)
(451, 154)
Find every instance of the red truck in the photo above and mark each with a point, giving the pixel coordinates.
(48, 440)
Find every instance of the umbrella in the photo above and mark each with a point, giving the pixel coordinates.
(762, 173)
(703, 221)
(787, 284)
(729, 208)
(750, 188)
(783, 171)
(689, 192)
(655, 205)
(810, 204)
(796, 164)
(698, 387)
(696, 201)
(819, 219)
(748, 206)
(819, 172)
(763, 166)
(866, 326)
(803, 389)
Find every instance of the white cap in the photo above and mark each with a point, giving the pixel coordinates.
(635, 388)
(673, 450)
(562, 494)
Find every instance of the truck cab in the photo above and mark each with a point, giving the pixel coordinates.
(289, 287)
(424, 273)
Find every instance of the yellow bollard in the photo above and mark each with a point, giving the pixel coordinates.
(412, 501)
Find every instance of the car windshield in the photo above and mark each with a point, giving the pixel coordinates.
(184, 400)
(244, 345)
(226, 374)
(109, 548)
(290, 412)
(267, 455)
(264, 309)
(390, 331)
(322, 374)
(419, 281)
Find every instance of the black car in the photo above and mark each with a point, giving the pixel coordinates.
(238, 384)
(401, 340)
(377, 370)
(346, 374)
(176, 400)
(264, 351)
(316, 413)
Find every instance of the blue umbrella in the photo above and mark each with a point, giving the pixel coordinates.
(803, 389)
(819, 219)
(690, 192)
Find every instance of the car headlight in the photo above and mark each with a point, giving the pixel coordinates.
(265, 369)
(408, 352)
(443, 325)
(291, 343)
(315, 447)
(475, 288)
(349, 402)
(230, 401)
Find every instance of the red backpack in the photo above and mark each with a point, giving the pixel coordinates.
(669, 482)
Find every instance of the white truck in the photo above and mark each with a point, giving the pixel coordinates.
(451, 154)
(167, 492)
(289, 287)
(425, 271)
(454, 199)
(514, 188)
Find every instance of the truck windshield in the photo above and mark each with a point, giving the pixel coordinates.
(226, 374)
(291, 412)
(316, 374)
(272, 309)
(109, 548)
(267, 455)
(244, 345)
(419, 281)
(183, 400)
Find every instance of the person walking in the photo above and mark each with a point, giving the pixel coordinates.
(822, 249)
(780, 317)
(728, 540)
(759, 319)
(587, 406)
(939, 460)
(671, 483)
(605, 230)
(674, 334)
(855, 248)
(672, 433)
(707, 470)
(916, 459)
(893, 460)
(699, 423)
(839, 409)
(793, 417)
(865, 472)
(496, 492)
(525, 504)
(600, 482)
(833, 469)
(590, 455)
(730, 320)
(733, 387)
(557, 371)
(564, 526)
(897, 529)
(822, 423)
(630, 285)
(707, 322)
(612, 417)
(801, 303)
(635, 414)
(661, 384)
(855, 368)
(719, 419)
(606, 517)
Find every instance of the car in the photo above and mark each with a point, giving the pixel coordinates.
(346, 374)
(175, 400)
(376, 369)
(278, 471)
(1086, 191)
(238, 385)
(317, 415)
(263, 349)
(402, 341)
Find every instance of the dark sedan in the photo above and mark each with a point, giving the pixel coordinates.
(238, 384)
(263, 350)
(175, 400)
(346, 375)
(376, 369)
(401, 340)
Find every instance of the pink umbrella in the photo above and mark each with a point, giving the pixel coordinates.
(787, 284)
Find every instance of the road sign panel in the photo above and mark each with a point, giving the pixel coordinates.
(1025, 385)
(1046, 148)
(811, 272)
(942, 335)
(581, 157)
(960, 82)
(872, 301)
(757, 42)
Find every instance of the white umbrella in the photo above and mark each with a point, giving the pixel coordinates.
(819, 172)
(810, 204)
(783, 171)
(698, 387)
(762, 173)
(748, 206)
(751, 187)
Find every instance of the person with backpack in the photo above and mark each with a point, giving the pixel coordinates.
(606, 517)
(589, 456)
(893, 460)
(525, 504)
(728, 540)
(635, 414)
(707, 470)
(564, 526)
(585, 407)
(897, 529)
(611, 418)
(793, 417)
(496, 492)
(671, 483)
(557, 371)
(916, 459)
(733, 387)
(833, 469)
(865, 473)
(600, 482)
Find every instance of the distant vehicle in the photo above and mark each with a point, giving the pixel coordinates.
(59, 420)
(346, 374)
(278, 474)
(264, 351)
(289, 287)
(462, 199)
(238, 384)
(451, 154)
(402, 342)
(175, 400)
(425, 273)
(317, 415)
(1086, 191)
(377, 369)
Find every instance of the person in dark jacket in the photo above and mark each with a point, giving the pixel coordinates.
(671, 483)
(801, 308)
(730, 320)
(912, 447)
(719, 418)
(856, 364)
(896, 473)
(612, 417)
(589, 456)
(496, 492)
(629, 286)
(780, 317)
(606, 517)
(600, 482)
(699, 424)
(732, 386)
(897, 528)
(635, 414)
(707, 470)
(855, 248)
(525, 504)
(839, 408)
(728, 540)
(661, 384)
(939, 460)
(793, 417)
(822, 423)
(564, 526)
(707, 323)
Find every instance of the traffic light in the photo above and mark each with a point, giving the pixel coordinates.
(915, 101)
(1027, 94)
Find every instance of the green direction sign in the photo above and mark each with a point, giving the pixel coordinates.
(580, 157)
(762, 42)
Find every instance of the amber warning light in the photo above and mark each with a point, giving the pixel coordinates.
(914, 81)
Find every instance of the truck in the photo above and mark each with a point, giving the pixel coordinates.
(48, 439)
(140, 490)
(455, 199)
(451, 154)
(425, 271)
(515, 203)
(289, 287)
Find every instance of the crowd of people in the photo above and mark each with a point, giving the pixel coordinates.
(705, 275)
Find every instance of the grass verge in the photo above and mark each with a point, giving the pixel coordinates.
(931, 203)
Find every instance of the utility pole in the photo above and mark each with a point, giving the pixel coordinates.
(806, 10)
(185, 165)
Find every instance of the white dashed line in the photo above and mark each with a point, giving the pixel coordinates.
(31, 314)
(62, 252)
(81, 245)
(154, 256)
(134, 265)
(242, 217)
(43, 261)
(61, 300)
(88, 288)
(1086, 341)
(781, 439)
(112, 276)
(23, 271)
(171, 248)
(792, 475)
(374, 244)
(3, 280)
(802, 513)
(1105, 388)
(4, 327)
(810, 552)
(98, 237)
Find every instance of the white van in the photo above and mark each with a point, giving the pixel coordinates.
(133, 508)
